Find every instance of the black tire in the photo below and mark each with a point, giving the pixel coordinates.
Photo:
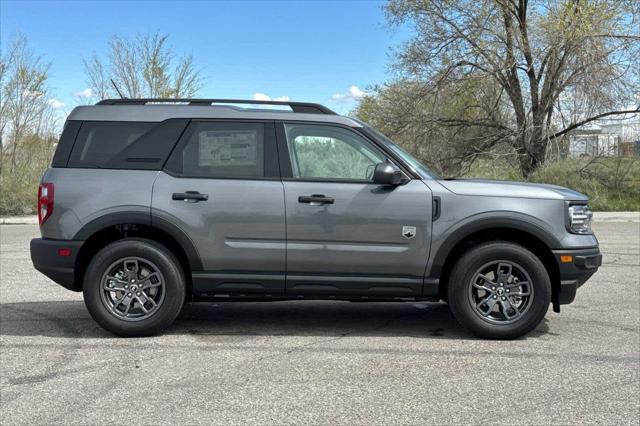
(172, 288)
(465, 308)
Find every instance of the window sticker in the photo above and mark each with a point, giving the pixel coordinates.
(224, 148)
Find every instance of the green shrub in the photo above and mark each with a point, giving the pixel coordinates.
(612, 183)
(20, 175)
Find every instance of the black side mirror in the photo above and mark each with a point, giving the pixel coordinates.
(388, 174)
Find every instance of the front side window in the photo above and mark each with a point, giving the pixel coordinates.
(415, 164)
(220, 150)
(332, 153)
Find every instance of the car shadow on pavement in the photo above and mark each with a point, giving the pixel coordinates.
(70, 319)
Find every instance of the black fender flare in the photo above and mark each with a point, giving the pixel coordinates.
(144, 218)
(505, 220)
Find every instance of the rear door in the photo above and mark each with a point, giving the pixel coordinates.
(345, 235)
(222, 186)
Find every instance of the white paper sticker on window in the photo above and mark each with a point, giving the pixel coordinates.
(224, 148)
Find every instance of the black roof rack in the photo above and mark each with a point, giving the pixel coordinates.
(301, 107)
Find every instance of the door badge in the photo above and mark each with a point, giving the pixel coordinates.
(408, 232)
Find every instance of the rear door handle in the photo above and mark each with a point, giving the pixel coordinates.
(190, 196)
(315, 199)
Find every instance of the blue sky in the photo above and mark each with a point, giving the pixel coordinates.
(308, 50)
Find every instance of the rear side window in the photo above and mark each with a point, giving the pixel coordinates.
(65, 144)
(125, 145)
(223, 150)
(100, 141)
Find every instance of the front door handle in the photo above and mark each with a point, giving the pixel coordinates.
(315, 199)
(190, 196)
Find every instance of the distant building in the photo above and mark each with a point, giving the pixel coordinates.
(613, 138)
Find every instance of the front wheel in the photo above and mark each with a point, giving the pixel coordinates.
(134, 287)
(499, 290)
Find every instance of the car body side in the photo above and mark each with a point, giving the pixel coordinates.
(93, 209)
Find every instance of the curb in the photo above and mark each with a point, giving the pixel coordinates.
(19, 220)
(616, 216)
(597, 217)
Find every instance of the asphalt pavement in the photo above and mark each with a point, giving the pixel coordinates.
(320, 362)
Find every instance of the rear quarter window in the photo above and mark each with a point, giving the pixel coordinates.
(98, 142)
(125, 145)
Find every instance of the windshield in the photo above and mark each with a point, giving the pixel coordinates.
(415, 164)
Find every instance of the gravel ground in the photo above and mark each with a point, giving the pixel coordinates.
(320, 362)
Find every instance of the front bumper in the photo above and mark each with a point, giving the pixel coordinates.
(584, 263)
(47, 257)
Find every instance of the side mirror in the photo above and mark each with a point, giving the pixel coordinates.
(388, 174)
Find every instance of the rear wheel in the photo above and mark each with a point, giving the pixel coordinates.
(499, 290)
(134, 287)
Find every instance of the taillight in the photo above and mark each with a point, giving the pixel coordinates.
(45, 202)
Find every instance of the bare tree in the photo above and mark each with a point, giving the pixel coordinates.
(143, 67)
(28, 126)
(98, 77)
(557, 64)
(24, 96)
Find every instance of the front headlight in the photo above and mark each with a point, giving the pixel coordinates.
(580, 217)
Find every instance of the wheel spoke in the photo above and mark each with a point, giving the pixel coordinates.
(132, 267)
(504, 272)
(522, 291)
(489, 302)
(117, 284)
(486, 284)
(144, 298)
(147, 282)
(481, 287)
(486, 279)
(516, 285)
(141, 303)
(505, 309)
(127, 303)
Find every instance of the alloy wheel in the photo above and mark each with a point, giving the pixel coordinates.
(132, 288)
(501, 292)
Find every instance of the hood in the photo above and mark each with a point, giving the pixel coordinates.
(504, 188)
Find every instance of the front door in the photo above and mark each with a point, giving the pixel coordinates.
(345, 235)
(222, 186)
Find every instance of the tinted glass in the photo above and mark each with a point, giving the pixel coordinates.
(225, 150)
(326, 152)
(65, 144)
(100, 141)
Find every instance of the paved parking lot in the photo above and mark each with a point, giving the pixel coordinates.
(320, 362)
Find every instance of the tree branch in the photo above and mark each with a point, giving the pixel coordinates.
(594, 118)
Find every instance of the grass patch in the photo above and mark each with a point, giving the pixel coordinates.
(612, 183)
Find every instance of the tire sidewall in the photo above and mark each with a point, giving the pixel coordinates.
(168, 266)
(464, 272)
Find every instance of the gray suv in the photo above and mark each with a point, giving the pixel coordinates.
(150, 203)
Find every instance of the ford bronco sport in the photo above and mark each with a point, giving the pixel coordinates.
(150, 203)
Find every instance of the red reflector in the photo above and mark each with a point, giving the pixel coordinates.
(63, 251)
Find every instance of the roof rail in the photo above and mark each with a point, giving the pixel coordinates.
(300, 107)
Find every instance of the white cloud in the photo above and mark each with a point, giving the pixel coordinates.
(259, 96)
(86, 93)
(55, 103)
(353, 94)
